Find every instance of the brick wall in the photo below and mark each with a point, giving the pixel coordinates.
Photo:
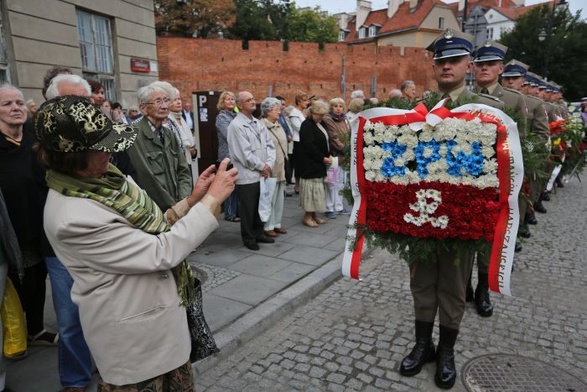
(193, 64)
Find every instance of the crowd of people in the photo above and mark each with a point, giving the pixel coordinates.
(106, 202)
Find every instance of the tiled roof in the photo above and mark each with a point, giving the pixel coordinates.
(515, 13)
(482, 3)
(403, 19)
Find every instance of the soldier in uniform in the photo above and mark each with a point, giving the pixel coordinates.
(438, 286)
(488, 65)
(514, 77)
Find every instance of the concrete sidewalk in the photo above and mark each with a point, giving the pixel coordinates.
(245, 291)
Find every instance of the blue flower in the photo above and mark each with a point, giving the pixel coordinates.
(422, 160)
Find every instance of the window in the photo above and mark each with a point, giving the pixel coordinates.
(362, 32)
(441, 23)
(372, 31)
(95, 40)
(489, 35)
(4, 73)
(341, 35)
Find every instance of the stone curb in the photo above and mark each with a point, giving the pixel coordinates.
(258, 320)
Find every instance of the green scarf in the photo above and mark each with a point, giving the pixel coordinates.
(130, 201)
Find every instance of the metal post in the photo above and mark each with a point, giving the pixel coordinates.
(373, 86)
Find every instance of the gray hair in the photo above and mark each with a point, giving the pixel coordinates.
(8, 86)
(338, 101)
(144, 93)
(268, 104)
(395, 93)
(170, 90)
(53, 89)
(405, 84)
(318, 107)
(357, 94)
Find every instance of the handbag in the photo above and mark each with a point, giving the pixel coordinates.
(267, 187)
(14, 328)
(203, 343)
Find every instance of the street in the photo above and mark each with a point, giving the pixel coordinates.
(353, 335)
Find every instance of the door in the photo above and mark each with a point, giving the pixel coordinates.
(205, 112)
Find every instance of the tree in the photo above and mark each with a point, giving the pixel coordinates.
(279, 20)
(562, 56)
(189, 18)
(312, 26)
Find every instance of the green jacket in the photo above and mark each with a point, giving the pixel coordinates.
(537, 118)
(162, 170)
(514, 101)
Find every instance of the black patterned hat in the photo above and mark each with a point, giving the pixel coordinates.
(73, 124)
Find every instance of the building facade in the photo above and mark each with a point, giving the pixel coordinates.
(112, 41)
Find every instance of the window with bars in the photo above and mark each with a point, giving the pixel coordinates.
(95, 40)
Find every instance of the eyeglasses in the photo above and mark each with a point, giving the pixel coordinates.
(159, 102)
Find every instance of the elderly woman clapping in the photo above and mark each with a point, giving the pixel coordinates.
(131, 280)
(270, 110)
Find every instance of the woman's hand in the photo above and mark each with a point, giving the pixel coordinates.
(222, 182)
(327, 161)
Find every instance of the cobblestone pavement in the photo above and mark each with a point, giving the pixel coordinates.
(353, 335)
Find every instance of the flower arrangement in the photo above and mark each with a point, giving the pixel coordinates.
(428, 179)
(568, 145)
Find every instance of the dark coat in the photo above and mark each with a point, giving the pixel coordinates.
(311, 150)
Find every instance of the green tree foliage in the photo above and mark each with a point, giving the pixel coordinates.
(280, 20)
(562, 56)
(312, 26)
(189, 18)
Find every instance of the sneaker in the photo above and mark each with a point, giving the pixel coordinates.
(344, 211)
(330, 214)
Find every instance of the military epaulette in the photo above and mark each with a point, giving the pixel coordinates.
(491, 97)
(512, 90)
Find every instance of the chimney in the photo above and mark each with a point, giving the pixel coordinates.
(363, 9)
(392, 6)
(413, 5)
(461, 5)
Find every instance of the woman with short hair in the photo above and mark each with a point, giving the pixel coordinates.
(314, 158)
(270, 110)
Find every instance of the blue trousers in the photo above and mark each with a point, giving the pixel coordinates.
(75, 360)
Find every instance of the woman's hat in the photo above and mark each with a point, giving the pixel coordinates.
(73, 124)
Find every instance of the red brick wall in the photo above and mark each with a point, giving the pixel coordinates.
(193, 64)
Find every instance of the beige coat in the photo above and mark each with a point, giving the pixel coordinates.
(280, 142)
(127, 297)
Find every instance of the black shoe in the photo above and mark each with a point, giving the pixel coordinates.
(446, 371)
(252, 245)
(524, 232)
(422, 352)
(518, 247)
(538, 207)
(482, 300)
(265, 240)
(545, 196)
(531, 218)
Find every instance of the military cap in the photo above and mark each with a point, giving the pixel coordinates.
(514, 69)
(451, 43)
(490, 51)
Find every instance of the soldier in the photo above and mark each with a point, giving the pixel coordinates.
(438, 286)
(488, 61)
(514, 77)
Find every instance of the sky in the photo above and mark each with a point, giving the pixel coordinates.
(335, 6)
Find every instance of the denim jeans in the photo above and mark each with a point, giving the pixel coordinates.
(75, 360)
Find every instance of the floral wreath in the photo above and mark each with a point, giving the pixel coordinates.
(423, 180)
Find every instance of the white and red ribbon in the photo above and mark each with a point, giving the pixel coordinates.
(510, 174)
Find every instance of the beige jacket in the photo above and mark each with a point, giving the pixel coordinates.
(127, 297)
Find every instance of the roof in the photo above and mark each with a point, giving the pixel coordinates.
(515, 13)
(402, 20)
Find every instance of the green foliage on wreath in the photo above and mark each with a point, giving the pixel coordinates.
(416, 249)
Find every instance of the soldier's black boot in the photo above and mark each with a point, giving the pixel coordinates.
(482, 300)
(559, 182)
(545, 196)
(469, 293)
(446, 372)
(531, 218)
(422, 352)
(538, 207)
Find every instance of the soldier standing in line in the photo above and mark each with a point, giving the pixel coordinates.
(488, 61)
(514, 77)
(438, 286)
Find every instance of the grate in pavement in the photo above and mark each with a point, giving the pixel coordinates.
(514, 373)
